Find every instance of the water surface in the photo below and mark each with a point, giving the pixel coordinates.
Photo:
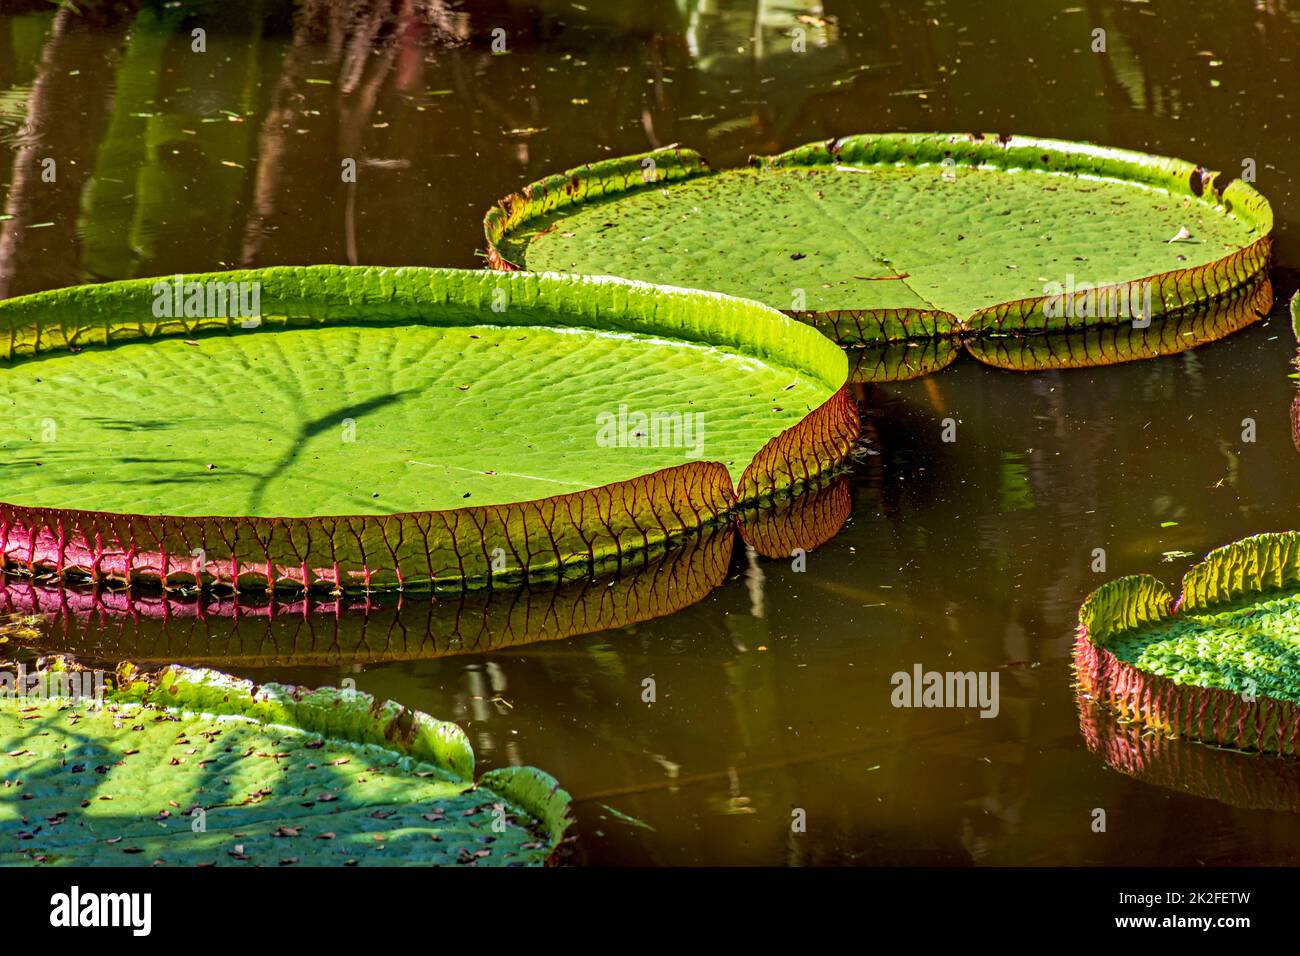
(773, 690)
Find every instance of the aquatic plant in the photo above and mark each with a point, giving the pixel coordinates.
(395, 427)
(194, 767)
(885, 238)
(1220, 664)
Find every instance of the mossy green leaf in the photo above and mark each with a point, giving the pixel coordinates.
(197, 768)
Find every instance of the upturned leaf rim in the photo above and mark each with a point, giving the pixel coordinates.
(1174, 290)
(546, 538)
(1257, 565)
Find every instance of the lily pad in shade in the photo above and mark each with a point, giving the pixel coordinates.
(193, 767)
(888, 237)
(383, 427)
(1220, 664)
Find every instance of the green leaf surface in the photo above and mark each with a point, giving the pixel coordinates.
(380, 420)
(912, 234)
(280, 775)
(1253, 646)
(549, 419)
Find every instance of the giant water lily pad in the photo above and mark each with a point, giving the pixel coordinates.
(193, 767)
(891, 237)
(1219, 664)
(377, 427)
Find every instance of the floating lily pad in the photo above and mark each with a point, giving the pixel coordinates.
(1221, 664)
(193, 767)
(890, 237)
(396, 427)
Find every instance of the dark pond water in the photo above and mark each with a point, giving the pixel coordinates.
(773, 687)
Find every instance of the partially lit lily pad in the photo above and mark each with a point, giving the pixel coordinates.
(889, 237)
(192, 767)
(1220, 664)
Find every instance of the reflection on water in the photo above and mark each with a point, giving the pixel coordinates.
(772, 688)
(229, 631)
(1232, 777)
(152, 627)
(1105, 345)
(1167, 335)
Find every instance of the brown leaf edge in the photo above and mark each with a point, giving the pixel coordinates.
(1253, 565)
(1117, 344)
(268, 630)
(804, 523)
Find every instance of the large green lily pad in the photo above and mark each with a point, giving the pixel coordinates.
(397, 426)
(1220, 664)
(193, 767)
(888, 237)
